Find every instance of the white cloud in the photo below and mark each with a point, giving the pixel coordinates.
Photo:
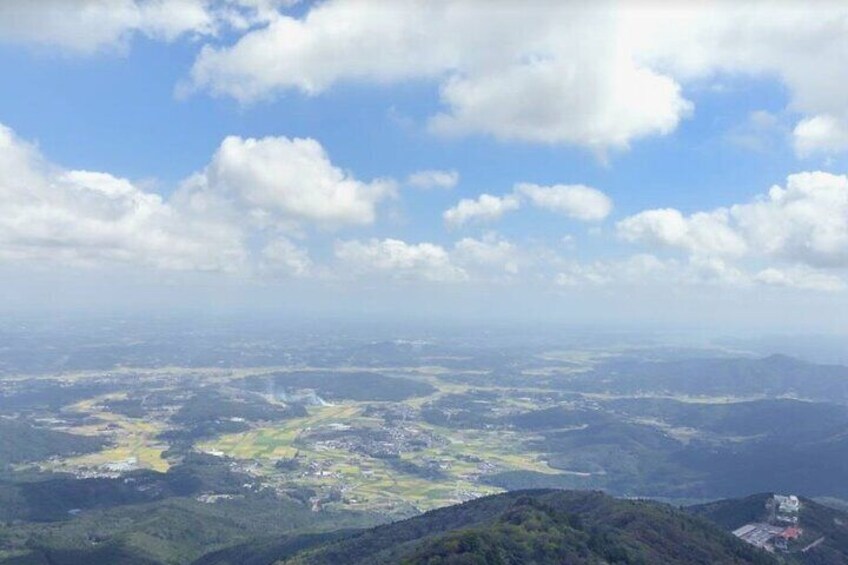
(636, 269)
(821, 134)
(649, 270)
(490, 252)
(799, 277)
(433, 179)
(598, 75)
(485, 208)
(399, 259)
(801, 45)
(702, 233)
(804, 225)
(575, 201)
(539, 72)
(487, 259)
(88, 26)
(231, 217)
(805, 222)
(714, 270)
(281, 180)
(87, 218)
(599, 104)
(283, 256)
(228, 217)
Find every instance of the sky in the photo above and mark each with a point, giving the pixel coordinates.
(618, 163)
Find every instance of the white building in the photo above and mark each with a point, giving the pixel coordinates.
(787, 504)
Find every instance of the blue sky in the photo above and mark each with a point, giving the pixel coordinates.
(681, 136)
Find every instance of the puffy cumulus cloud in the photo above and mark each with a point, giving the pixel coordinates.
(539, 72)
(485, 208)
(86, 218)
(490, 252)
(490, 258)
(575, 201)
(564, 101)
(286, 181)
(433, 179)
(87, 26)
(821, 134)
(803, 46)
(400, 260)
(595, 74)
(702, 233)
(807, 221)
(282, 256)
(804, 224)
(231, 216)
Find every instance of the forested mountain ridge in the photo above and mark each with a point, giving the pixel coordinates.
(541, 526)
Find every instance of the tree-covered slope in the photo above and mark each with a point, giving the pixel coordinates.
(20, 441)
(541, 526)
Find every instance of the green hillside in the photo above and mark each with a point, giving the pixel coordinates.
(21, 441)
(541, 526)
(522, 527)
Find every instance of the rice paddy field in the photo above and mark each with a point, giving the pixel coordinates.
(374, 483)
(133, 442)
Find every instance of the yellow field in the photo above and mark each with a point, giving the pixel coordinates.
(133, 438)
(372, 483)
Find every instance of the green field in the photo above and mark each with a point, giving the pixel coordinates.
(372, 483)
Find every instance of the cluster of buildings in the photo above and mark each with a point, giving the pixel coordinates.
(108, 470)
(212, 498)
(786, 508)
(780, 528)
(378, 442)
